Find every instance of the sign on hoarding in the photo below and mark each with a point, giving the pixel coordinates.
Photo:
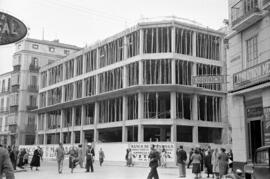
(255, 74)
(266, 111)
(208, 79)
(11, 29)
(141, 151)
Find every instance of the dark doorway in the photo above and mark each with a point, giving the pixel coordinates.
(255, 136)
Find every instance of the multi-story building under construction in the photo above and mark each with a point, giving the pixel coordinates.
(137, 86)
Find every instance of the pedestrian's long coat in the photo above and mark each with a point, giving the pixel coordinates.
(214, 162)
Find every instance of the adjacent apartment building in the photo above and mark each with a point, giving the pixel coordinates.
(248, 65)
(137, 86)
(4, 107)
(20, 87)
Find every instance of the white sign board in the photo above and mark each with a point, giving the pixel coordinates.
(141, 151)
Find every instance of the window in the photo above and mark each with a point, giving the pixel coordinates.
(33, 81)
(262, 157)
(51, 49)
(35, 46)
(3, 86)
(66, 52)
(69, 69)
(32, 100)
(252, 51)
(19, 46)
(79, 61)
(34, 62)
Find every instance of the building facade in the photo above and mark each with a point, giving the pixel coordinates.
(137, 86)
(248, 66)
(29, 56)
(4, 107)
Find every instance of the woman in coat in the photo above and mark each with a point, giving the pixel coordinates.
(36, 159)
(214, 161)
(196, 162)
(223, 163)
(73, 158)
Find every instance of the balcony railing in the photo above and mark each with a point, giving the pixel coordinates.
(16, 68)
(242, 10)
(31, 107)
(5, 90)
(253, 75)
(4, 110)
(33, 88)
(33, 68)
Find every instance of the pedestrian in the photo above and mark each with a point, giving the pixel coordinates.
(20, 158)
(25, 158)
(12, 156)
(36, 159)
(153, 163)
(73, 158)
(41, 153)
(90, 154)
(60, 156)
(208, 163)
(202, 160)
(126, 156)
(163, 157)
(214, 162)
(80, 155)
(130, 157)
(5, 164)
(181, 161)
(230, 156)
(101, 156)
(222, 163)
(189, 157)
(196, 162)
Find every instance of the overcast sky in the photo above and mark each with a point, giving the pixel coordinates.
(81, 22)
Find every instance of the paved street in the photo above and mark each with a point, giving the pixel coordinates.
(48, 170)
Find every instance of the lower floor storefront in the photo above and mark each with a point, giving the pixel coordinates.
(206, 133)
(249, 118)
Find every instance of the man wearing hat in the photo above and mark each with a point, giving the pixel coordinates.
(90, 154)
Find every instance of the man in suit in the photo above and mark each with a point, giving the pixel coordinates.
(5, 164)
(153, 164)
(90, 154)
(181, 161)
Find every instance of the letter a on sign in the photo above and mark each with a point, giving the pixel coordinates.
(11, 29)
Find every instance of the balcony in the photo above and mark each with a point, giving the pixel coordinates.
(13, 128)
(31, 107)
(33, 88)
(251, 76)
(5, 90)
(266, 5)
(4, 110)
(16, 68)
(245, 14)
(33, 68)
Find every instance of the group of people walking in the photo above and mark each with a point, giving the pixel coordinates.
(76, 157)
(20, 157)
(213, 162)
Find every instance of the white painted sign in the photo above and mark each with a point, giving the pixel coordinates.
(141, 151)
(208, 79)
